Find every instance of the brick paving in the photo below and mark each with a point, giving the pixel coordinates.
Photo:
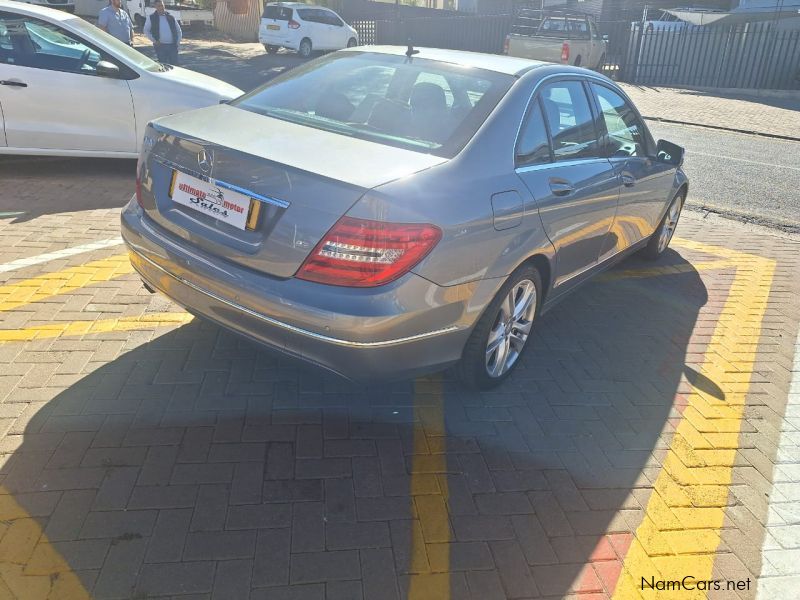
(147, 455)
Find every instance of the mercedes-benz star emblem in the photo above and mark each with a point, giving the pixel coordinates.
(205, 160)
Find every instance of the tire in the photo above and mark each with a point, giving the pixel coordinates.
(271, 49)
(577, 62)
(352, 42)
(481, 368)
(304, 51)
(661, 237)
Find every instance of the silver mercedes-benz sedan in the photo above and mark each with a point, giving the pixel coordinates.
(384, 212)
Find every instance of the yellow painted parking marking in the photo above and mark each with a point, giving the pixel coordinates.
(41, 287)
(68, 328)
(680, 532)
(430, 535)
(31, 568)
(664, 270)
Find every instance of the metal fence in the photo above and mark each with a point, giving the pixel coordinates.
(741, 56)
(484, 34)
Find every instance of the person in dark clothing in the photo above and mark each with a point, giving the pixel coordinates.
(165, 32)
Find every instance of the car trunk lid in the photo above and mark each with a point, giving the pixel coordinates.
(302, 179)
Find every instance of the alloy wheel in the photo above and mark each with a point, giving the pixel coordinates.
(670, 224)
(511, 328)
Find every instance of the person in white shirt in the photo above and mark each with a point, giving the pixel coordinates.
(164, 31)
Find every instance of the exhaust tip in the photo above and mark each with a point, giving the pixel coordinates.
(147, 287)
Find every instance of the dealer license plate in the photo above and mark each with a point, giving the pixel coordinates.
(274, 27)
(213, 200)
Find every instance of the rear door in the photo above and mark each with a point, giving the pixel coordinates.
(52, 96)
(645, 183)
(317, 27)
(559, 158)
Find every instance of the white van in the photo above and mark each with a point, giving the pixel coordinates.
(303, 28)
(66, 5)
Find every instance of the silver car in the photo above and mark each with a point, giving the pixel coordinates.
(384, 212)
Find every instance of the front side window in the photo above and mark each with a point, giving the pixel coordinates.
(29, 42)
(624, 128)
(567, 112)
(419, 104)
(332, 19)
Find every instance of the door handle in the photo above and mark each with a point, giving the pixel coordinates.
(561, 187)
(13, 83)
(628, 180)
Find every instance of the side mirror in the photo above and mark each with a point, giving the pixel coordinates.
(107, 69)
(669, 153)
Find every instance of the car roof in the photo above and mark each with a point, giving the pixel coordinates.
(35, 10)
(510, 65)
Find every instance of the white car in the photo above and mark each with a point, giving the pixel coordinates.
(68, 88)
(304, 28)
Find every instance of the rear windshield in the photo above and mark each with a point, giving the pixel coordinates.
(419, 104)
(279, 13)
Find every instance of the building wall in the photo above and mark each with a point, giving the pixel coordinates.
(243, 28)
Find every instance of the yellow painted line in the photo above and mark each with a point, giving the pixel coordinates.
(665, 270)
(41, 287)
(680, 532)
(69, 328)
(31, 568)
(430, 534)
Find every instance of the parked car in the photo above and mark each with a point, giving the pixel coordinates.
(383, 213)
(303, 28)
(555, 36)
(67, 5)
(69, 89)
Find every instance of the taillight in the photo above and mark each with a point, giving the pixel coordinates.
(293, 24)
(565, 52)
(506, 44)
(362, 253)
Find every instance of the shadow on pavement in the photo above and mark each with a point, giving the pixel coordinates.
(35, 186)
(198, 460)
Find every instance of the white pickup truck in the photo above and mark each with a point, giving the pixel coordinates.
(559, 37)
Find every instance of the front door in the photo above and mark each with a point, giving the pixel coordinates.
(574, 187)
(52, 96)
(645, 183)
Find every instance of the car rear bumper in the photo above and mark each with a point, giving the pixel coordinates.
(405, 328)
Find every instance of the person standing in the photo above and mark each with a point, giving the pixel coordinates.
(165, 32)
(115, 20)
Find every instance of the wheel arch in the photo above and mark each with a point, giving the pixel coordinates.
(542, 264)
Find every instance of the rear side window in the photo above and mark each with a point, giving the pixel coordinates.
(567, 112)
(279, 13)
(533, 147)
